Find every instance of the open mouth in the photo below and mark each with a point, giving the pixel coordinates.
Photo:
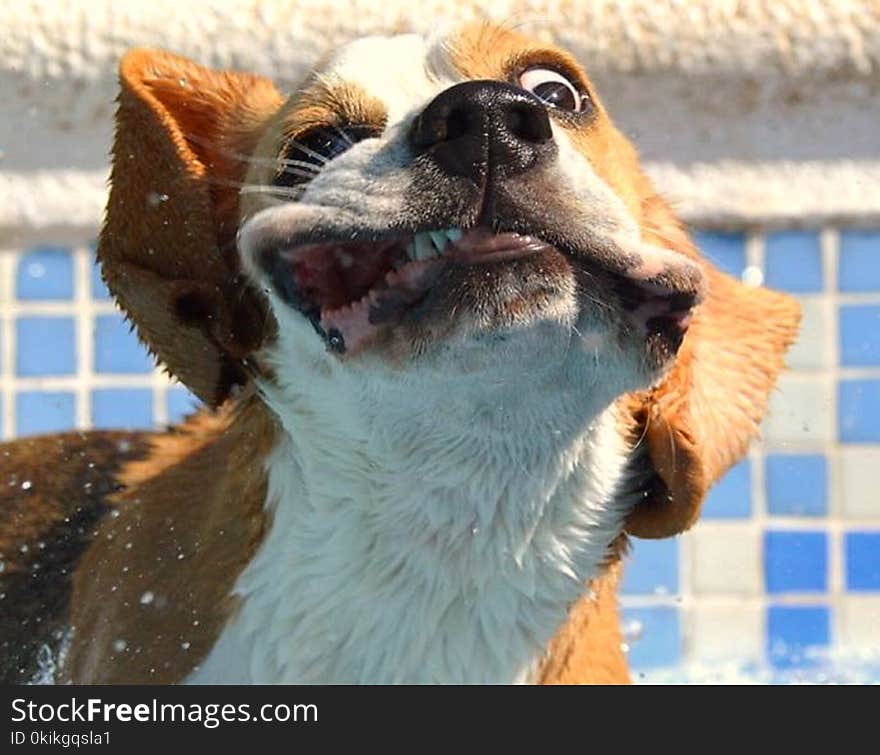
(350, 290)
(353, 290)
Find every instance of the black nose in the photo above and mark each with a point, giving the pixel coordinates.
(479, 126)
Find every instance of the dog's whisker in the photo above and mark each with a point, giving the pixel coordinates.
(348, 140)
(267, 189)
(322, 159)
(309, 169)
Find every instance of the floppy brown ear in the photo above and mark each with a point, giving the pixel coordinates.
(698, 422)
(167, 245)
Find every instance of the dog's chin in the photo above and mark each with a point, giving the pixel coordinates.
(477, 297)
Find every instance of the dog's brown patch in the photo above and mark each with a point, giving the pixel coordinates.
(184, 135)
(54, 491)
(153, 592)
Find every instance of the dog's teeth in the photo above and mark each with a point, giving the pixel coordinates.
(424, 246)
(439, 240)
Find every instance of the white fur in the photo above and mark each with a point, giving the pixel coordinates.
(420, 533)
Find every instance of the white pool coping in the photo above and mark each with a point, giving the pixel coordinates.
(758, 113)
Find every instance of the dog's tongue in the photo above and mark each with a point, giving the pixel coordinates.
(351, 326)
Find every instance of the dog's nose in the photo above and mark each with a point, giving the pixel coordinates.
(476, 127)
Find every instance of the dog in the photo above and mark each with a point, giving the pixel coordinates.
(454, 349)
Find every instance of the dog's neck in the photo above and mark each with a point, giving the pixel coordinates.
(434, 540)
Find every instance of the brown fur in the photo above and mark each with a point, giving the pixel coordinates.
(182, 133)
(53, 492)
(190, 518)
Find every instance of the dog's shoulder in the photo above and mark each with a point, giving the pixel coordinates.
(54, 490)
(152, 593)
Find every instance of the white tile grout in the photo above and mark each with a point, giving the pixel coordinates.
(85, 325)
(830, 243)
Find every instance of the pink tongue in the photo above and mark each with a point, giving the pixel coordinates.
(354, 323)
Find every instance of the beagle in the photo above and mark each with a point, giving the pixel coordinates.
(454, 348)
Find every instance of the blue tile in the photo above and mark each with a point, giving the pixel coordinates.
(99, 288)
(46, 272)
(652, 567)
(731, 498)
(658, 641)
(862, 560)
(793, 261)
(181, 403)
(117, 348)
(793, 631)
(795, 561)
(860, 336)
(796, 484)
(858, 408)
(859, 267)
(40, 412)
(45, 346)
(122, 407)
(726, 250)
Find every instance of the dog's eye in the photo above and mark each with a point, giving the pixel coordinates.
(552, 88)
(303, 156)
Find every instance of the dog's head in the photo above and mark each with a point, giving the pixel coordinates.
(427, 215)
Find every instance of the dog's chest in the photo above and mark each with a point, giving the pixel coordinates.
(458, 568)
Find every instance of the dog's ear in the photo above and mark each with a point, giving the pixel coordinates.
(698, 422)
(167, 248)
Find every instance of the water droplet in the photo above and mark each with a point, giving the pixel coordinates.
(633, 630)
(155, 198)
(36, 270)
(147, 598)
(26, 485)
(184, 645)
(752, 276)
(119, 645)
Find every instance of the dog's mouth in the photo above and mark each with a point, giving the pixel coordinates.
(352, 289)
